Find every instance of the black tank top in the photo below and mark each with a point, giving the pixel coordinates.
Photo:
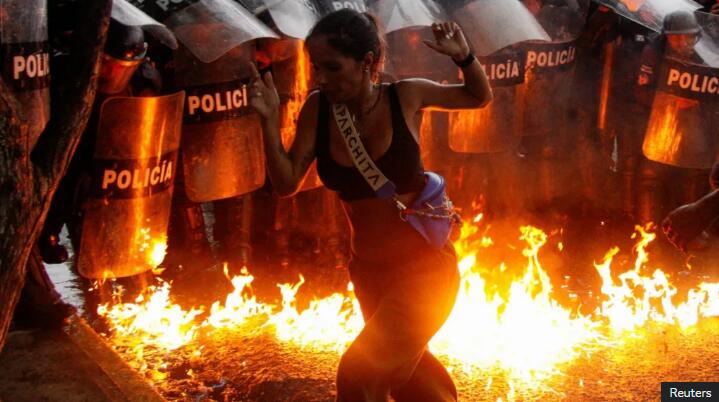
(401, 163)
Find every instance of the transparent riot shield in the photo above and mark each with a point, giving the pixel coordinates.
(395, 15)
(491, 25)
(550, 68)
(208, 28)
(495, 127)
(293, 18)
(682, 127)
(25, 55)
(406, 24)
(222, 150)
(293, 80)
(129, 15)
(327, 6)
(649, 13)
(126, 215)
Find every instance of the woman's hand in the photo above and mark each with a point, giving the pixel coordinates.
(263, 95)
(449, 40)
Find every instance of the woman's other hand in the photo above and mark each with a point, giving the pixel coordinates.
(449, 39)
(263, 95)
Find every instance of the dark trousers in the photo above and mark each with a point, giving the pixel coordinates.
(404, 304)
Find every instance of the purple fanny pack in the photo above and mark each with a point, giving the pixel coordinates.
(432, 213)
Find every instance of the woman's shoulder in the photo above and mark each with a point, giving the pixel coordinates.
(410, 90)
(312, 102)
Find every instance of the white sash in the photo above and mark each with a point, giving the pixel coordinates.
(381, 185)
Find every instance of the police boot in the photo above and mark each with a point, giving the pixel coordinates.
(51, 250)
(233, 223)
(188, 247)
(40, 305)
(49, 241)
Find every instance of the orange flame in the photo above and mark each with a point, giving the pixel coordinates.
(524, 331)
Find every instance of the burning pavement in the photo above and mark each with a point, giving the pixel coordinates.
(520, 330)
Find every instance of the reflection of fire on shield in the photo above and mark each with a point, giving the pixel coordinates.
(222, 150)
(491, 26)
(25, 55)
(293, 79)
(682, 124)
(126, 215)
(221, 139)
(493, 128)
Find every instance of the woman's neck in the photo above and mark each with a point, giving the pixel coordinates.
(360, 105)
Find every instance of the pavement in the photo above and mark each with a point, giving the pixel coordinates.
(73, 364)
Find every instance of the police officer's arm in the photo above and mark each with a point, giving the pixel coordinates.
(475, 92)
(286, 169)
(687, 222)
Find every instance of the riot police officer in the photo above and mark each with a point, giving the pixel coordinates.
(659, 179)
(124, 51)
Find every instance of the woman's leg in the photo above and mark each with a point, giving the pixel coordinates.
(392, 345)
(430, 382)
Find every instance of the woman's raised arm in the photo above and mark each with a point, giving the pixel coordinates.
(474, 93)
(286, 169)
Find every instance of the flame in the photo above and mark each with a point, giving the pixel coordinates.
(154, 321)
(238, 307)
(505, 317)
(510, 329)
(326, 324)
(637, 299)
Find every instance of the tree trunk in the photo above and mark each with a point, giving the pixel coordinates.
(28, 180)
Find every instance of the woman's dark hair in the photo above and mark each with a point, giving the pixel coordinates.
(351, 33)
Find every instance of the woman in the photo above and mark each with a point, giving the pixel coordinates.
(405, 287)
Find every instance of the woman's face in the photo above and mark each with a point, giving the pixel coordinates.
(339, 77)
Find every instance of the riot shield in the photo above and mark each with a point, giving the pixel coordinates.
(682, 127)
(129, 15)
(222, 150)
(208, 28)
(325, 7)
(293, 81)
(491, 25)
(293, 18)
(25, 54)
(495, 127)
(128, 209)
(649, 13)
(395, 15)
(549, 69)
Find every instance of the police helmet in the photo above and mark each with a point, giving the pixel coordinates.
(125, 48)
(125, 42)
(680, 22)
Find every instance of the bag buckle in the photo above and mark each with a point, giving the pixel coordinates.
(403, 210)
